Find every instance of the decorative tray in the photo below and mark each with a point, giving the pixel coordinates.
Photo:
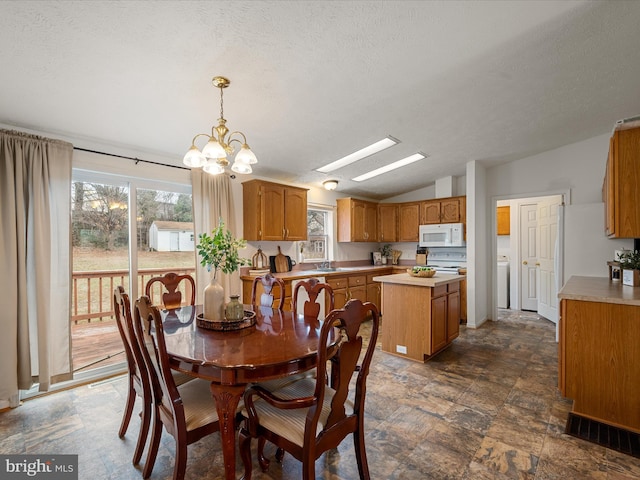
(421, 273)
(226, 325)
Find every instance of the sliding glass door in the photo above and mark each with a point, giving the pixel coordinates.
(122, 229)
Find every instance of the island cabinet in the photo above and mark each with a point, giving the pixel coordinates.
(272, 211)
(599, 350)
(620, 190)
(357, 220)
(421, 315)
(387, 222)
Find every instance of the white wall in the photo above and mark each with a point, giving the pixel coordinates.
(478, 233)
(576, 168)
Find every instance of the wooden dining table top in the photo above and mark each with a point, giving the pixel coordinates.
(279, 344)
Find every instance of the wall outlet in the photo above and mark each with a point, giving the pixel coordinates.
(401, 349)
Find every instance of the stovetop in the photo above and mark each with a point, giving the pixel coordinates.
(447, 260)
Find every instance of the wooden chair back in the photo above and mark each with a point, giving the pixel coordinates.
(171, 294)
(267, 298)
(316, 292)
(138, 380)
(169, 399)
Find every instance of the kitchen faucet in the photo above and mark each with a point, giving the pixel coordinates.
(326, 264)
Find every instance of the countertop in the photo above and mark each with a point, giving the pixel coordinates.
(406, 279)
(599, 289)
(312, 272)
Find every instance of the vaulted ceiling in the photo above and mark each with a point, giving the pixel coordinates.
(491, 81)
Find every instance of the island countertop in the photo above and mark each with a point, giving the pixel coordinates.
(599, 289)
(406, 279)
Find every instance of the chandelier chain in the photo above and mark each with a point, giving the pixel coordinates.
(221, 103)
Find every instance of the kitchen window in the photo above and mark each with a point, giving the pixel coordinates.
(318, 247)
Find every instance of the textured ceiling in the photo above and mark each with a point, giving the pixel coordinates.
(314, 81)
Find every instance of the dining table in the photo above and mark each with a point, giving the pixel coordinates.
(277, 345)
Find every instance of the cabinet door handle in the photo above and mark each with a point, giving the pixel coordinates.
(525, 263)
(537, 264)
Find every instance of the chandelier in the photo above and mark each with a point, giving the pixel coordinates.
(213, 157)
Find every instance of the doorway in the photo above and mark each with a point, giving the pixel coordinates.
(529, 245)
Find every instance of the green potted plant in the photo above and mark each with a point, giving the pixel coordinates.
(219, 251)
(386, 252)
(630, 266)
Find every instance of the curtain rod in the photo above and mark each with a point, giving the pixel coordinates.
(135, 159)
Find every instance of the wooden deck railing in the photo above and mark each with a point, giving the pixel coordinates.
(92, 292)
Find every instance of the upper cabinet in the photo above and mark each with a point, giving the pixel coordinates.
(357, 220)
(408, 222)
(504, 220)
(443, 210)
(620, 190)
(273, 211)
(387, 222)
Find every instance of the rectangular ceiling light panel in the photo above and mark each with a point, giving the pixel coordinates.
(392, 166)
(360, 154)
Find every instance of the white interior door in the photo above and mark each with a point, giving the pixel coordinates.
(528, 257)
(547, 216)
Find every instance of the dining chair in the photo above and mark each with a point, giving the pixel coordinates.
(187, 412)
(172, 297)
(312, 290)
(311, 415)
(138, 380)
(267, 281)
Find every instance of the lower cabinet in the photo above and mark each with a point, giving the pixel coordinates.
(599, 358)
(247, 285)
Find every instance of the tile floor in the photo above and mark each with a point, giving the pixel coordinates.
(486, 408)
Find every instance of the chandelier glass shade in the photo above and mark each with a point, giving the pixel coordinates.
(213, 157)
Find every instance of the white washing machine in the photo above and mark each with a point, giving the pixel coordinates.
(503, 281)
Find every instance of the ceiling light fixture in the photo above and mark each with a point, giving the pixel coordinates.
(360, 154)
(392, 166)
(213, 158)
(330, 184)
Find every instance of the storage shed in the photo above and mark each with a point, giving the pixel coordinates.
(171, 236)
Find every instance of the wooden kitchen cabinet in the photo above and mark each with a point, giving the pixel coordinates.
(272, 211)
(387, 222)
(247, 285)
(620, 191)
(443, 210)
(357, 220)
(408, 222)
(503, 215)
(598, 350)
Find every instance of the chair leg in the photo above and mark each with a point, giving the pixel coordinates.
(361, 454)
(128, 409)
(181, 458)
(308, 469)
(244, 442)
(262, 460)
(145, 423)
(156, 433)
(279, 455)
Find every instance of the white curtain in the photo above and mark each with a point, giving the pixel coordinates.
(35, 183)
(213, 200)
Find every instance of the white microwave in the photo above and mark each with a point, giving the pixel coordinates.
(442, 235)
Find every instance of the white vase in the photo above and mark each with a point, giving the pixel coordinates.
(214, 300)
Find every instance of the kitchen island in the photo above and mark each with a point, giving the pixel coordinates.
(420, 316)
(599, 350)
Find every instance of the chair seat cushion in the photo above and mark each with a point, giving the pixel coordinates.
(278, 383)
(180, 378)
(199, 405)
(290, 423)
